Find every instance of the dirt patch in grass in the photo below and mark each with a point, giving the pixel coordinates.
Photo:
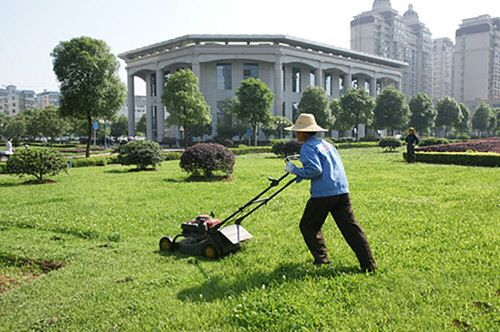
(25, 269)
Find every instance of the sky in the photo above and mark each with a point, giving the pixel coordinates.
(30, 29)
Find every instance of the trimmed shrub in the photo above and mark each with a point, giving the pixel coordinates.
(202, 160)
(3, 169)
(88, 162)
(36, 162)
(368, 138)
(140, 153)
(356, 145)
(465, 159)
(432, 141)
(172, 155)
(250, 149)
(286, 147)
(389, 143)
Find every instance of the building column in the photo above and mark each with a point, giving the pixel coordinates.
(304, 78)
(319, 76)
(131, 105)
(335, 84)
(149, 113)
(160, 109)
(196, 69)
(278, 86)
(373, 86)
(348, 81)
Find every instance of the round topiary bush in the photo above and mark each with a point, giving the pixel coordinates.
(202, 160)
(140, 153)
(389, 143)
(36, 162)
(286, 147)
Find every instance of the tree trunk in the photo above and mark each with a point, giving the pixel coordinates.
(89, 136)
(185, 136)
(357, 133)
(254, 128)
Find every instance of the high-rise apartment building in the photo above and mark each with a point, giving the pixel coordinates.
(382, 31)
(442, 65)
(476, 61)
(13, 101)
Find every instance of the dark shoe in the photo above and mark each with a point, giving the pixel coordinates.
(369, 269)
(324, 262)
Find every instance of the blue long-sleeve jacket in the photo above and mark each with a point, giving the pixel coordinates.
(322, 165)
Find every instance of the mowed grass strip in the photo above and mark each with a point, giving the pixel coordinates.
(433, 230)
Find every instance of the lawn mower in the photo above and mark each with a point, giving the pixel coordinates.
(205, 236)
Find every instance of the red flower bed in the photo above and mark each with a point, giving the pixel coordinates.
(484, 145)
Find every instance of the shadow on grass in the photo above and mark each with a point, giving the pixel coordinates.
(217, 288)
(116, 171)
(27, 183)
(11, 184)
(215, 178)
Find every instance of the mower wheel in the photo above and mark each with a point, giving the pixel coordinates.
(166, 244)
(210, 251)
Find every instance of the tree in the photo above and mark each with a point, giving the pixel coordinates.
(448, 114)
(276, 126)
(228, 125)
(392, 111)
(185, 103)
(3, 123)
(141, 126)
(15, 128)
(254, 103)
(90, 86)
(356, 108)
(119, 127)
(481, 117)
(464, 125)
(50, 122)
(492, 122)
(423, 113)
(36, 162)
(315, 101)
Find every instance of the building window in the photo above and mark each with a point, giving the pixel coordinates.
(312, 78)
(296, 80)
(295, 111)
(224, 79)
(250, 70)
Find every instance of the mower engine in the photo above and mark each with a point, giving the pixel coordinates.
(197, 229)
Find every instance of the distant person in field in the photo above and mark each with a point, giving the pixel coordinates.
(329, 194)
(9, 150)
(411, 140)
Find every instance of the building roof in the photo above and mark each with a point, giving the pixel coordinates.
(195, 39)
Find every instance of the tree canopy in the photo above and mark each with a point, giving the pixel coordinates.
(391, 111)
(254, 104)
(448, 114)
(423, 113)
(185, 103)
(356, 107)
(315, 101)
(89, 82)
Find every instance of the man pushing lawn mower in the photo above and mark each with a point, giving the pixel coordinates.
(329, 194)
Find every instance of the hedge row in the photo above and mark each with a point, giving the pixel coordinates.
(92, 161)
(251, 149)
(456, 158)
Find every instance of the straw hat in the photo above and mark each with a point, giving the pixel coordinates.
(307, 123)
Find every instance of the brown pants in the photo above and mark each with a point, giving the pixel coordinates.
(340, 207)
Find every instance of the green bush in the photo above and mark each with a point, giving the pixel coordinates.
(286, 147)
(140, 153)
(202, 160)
(459, 158)
(3, 168)
(250, 149)
(356, 145)
(172, 155)
(389, 143)
(36, 162)
(91, 161)
(432, 141)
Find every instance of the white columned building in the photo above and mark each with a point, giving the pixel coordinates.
(286, 64)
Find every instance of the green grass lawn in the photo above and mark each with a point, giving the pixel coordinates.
(434, 230)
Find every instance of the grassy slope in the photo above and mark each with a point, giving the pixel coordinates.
(433, 229)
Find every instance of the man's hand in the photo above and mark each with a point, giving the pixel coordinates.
(289, 167)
